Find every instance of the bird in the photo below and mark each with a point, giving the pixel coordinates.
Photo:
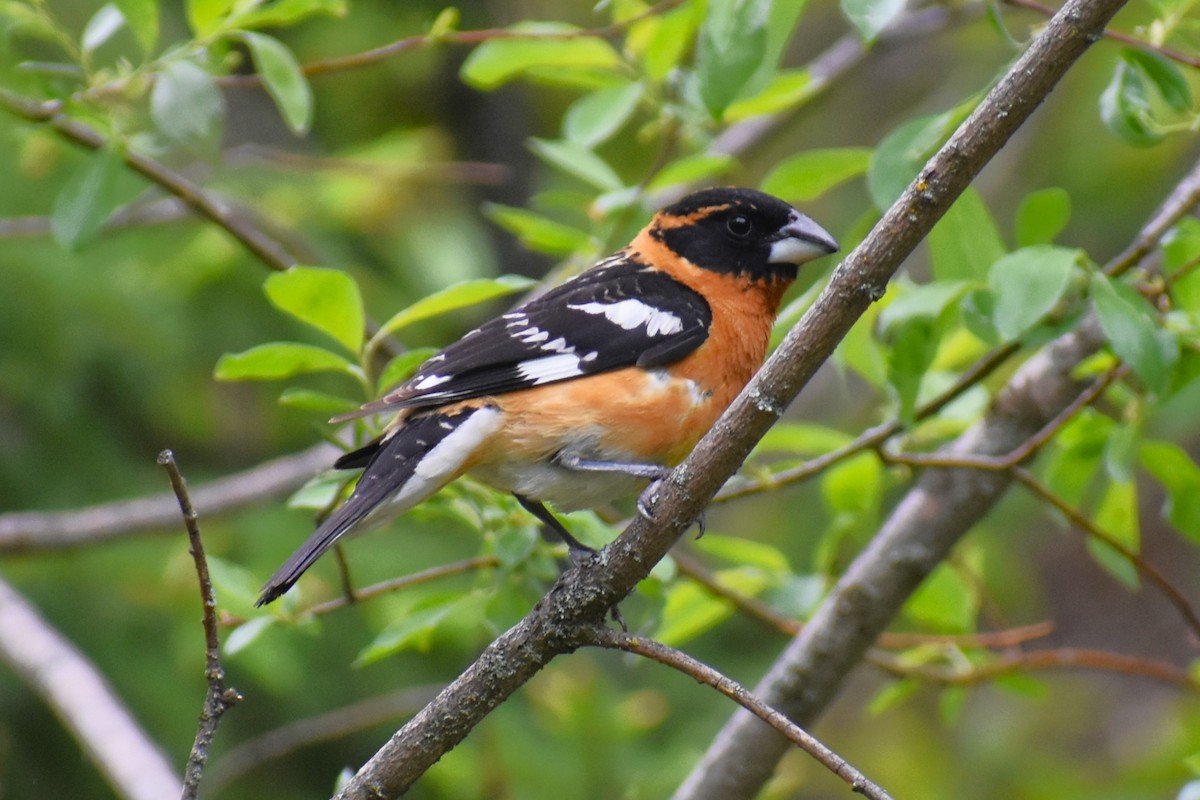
(595, 389)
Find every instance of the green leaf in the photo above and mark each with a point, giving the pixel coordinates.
(1121, 451)
(283, 79)
(806, 439)
(536, 232)
(902, 153)
(245, 634)
(925, 301)
(595, 117)
(87, 199)
(914, 344)
(871, 17)
(205, 16)
(787, 90)
(319, 402)
(744, 553)
(277, 360)
(101, 27)
(660, 42)
(285, 13)
(965, 243)
(1163, 74)
(945, 601)
(732, 46)
(1125, 108)
(1171, 466)
(141, 16)
(1128, 324)
(691, 169)
(1028, 283)
(1042, 216)
(235, 586)
(575, 159)
(414, 629)
(327, 299)
(1118, 517)
(319, 492)
(690, 610)
(892, 695)
(498, 61)
(809, 175)
(452, 298)
(403, 366)
(854, 486)
(187, 107)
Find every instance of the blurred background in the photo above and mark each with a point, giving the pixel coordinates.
(107, 355)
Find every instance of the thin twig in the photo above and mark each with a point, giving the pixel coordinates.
(702, 673)
(1027, 448)
(1059, 658)
(204, 203)
(219, 698)
(387, 51)
(1078, 519)
(404, 582)
(1117, 36)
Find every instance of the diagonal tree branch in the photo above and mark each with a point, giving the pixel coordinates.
(70, 684)
(922, 529)
(585, 593)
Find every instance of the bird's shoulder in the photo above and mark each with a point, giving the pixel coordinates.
(622, 312)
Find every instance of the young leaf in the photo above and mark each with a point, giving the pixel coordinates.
(1042, 215)
(699, 167)
(327, 299)
(1027, 284)
(744, 553)
(1164, 75)
(285, 13)
(787, 90)
(245, 634)
(945, 601)
(872, 17)
(276, 360)
(205, 16)
(902, 153)
(575, 159)
(188, 107)
(452, 298)
(284, 80)
(329, 405)
(101, 27)
(536, 232)
(415, 629)
(141, 17)
(1125, 108)
(1171, 466)
(732, 45)
(87, 199)
(809, 175)
(498, 61)
(1118, 517)
(1128, 325)
(595, 117)
(965, 243)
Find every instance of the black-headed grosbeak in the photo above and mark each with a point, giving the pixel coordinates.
(590, 391)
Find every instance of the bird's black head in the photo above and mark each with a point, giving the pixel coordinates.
(741, 231)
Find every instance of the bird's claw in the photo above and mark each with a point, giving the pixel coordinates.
(648, 499)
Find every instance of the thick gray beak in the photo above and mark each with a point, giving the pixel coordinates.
(801, 240)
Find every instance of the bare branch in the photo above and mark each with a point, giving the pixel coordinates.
(50, 665)
(219, 698)
(24, 532)
(586, 592)
(702, 673)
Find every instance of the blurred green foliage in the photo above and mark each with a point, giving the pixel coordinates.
(420, 190)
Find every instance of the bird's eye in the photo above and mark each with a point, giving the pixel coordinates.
(739, 226)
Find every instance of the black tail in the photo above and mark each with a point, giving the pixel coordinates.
(397, 476)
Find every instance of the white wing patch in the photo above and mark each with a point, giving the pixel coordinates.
(550, 368)
(633, 313)
(430, 381)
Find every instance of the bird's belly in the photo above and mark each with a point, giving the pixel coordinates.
(565, 489)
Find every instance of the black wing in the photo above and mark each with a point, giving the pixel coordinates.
(618, 314)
